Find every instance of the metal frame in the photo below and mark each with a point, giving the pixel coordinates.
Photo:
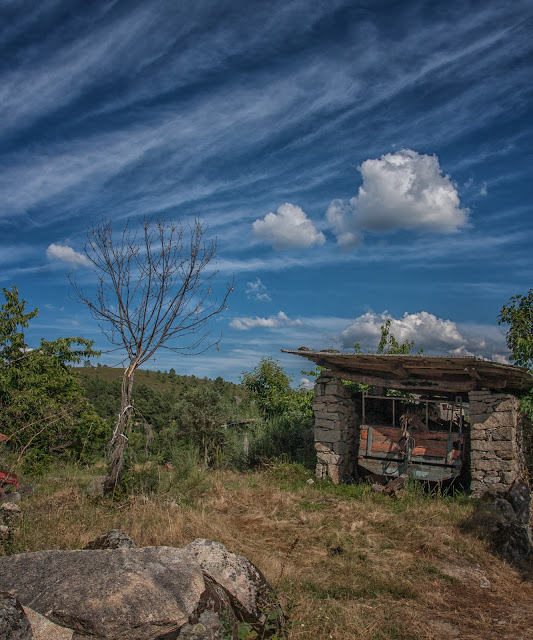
(458, 400)
(402, 462)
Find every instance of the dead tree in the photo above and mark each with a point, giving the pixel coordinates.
(153, 292)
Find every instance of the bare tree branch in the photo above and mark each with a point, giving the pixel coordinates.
(153, 291)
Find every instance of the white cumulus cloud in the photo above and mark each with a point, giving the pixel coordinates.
(257, 291)
(434, 335)
(402, 190)
(307, 384)
(68, 255)
(288, 228)
(279, 320)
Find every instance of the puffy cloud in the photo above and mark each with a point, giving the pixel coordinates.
(289, 227)
(400, 190)
(68, 255)
(434, 335)
(279, 320)
(305, 383)
(257, 291)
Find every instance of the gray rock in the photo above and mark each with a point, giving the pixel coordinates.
(114, 539)
(214, 617)
(14, 624)
(10, 510)
(519, 496)
(119, 594)
(511, 540)
(14, 496)
(201, 592)
(247, 586)
(503, 508)
(26, 490)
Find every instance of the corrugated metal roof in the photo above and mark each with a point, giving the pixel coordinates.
(448, 374)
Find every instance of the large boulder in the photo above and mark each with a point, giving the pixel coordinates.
(144, 594)
(114, 593)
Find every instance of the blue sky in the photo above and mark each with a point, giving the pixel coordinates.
(355, 161)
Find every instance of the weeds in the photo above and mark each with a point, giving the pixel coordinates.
(405, 564)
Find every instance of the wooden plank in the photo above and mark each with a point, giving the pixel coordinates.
(369, 440)
(420, 453)
(395, 433)
(392, 468)
(442, 454)
(409, 384)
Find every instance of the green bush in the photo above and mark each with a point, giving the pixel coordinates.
(42, 409)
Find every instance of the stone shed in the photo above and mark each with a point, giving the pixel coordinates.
(462, 415)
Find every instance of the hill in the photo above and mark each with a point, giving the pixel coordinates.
(156, 380)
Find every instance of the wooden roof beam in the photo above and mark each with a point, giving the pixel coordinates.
(407, 384)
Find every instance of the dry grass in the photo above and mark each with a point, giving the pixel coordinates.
(347, 563)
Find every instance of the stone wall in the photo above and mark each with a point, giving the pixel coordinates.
(337, 422)
(497, 457)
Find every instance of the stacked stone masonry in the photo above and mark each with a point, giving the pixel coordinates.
(336, 430)
(497, 459)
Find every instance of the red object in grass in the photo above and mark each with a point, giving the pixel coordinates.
(9, 478)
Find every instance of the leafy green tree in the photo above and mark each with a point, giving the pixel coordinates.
(287, 414)
(518, 314)
(42, 409)
(201, 414)
(389, 344)
(270, 386)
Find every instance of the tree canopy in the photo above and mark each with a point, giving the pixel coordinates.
(42, 409)
(518, 314)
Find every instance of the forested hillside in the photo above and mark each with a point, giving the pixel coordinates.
(221, 423)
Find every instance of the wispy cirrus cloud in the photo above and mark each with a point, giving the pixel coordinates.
(256, 290)
(180, 142)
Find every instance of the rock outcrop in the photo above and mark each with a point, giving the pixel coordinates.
(511, 536)
(154, 593)
(114, 539)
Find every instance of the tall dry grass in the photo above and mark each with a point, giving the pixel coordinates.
(347, 563)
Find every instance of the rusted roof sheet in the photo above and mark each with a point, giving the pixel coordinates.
(447, 374)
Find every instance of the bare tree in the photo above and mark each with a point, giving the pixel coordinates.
(153, 292)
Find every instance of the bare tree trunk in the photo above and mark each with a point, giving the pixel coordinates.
(153, 291)
(119, 440)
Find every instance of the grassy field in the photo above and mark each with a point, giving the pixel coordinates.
(347, 563)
